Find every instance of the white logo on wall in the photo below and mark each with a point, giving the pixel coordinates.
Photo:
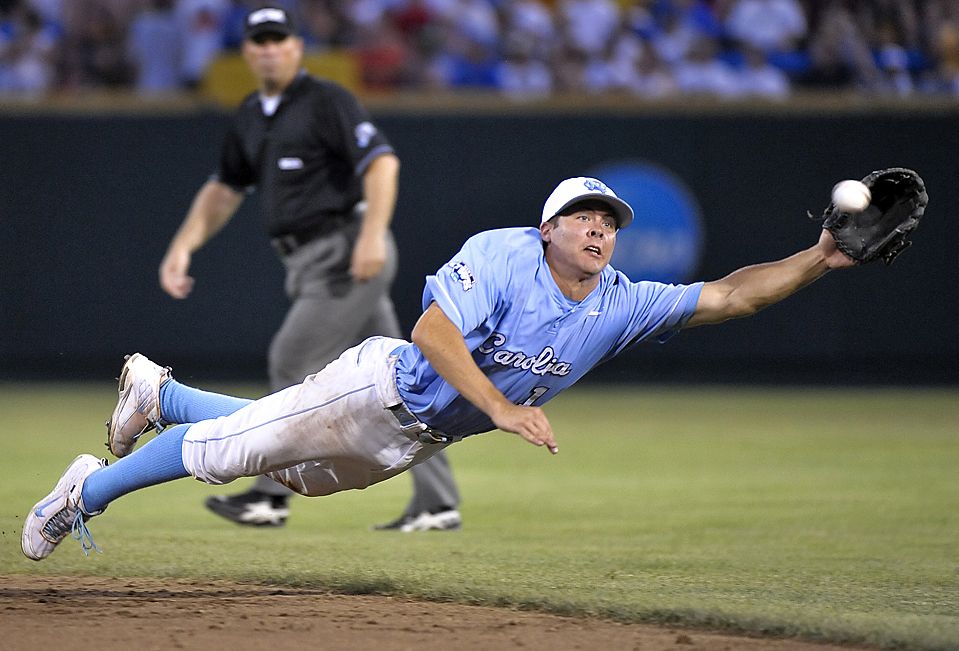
(364, 132)
(664, 242)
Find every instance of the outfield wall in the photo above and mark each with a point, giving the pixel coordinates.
(89, 201)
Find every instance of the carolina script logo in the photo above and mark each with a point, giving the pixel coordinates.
(541, 364)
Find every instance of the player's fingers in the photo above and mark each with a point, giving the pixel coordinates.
(538, 431)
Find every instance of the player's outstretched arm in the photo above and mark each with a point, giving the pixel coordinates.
(212, 208)
(443, 345)
(750, 289)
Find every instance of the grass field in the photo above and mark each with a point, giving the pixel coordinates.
(826, 515)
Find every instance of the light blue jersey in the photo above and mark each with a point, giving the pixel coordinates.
(525, 335)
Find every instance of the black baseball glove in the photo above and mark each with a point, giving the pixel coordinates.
(898, 201)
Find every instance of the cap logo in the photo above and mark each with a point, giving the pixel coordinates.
(596, 186)
(267, 15)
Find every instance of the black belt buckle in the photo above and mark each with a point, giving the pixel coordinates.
(406, 418)
(287, 244)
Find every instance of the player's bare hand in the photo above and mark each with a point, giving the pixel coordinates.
(173, 274)
(369, 256)
(835, 258)
(529, 422)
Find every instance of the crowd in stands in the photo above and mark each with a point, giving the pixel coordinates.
(522, 48)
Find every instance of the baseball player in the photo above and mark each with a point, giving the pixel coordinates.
(327, 180)
(515, 317)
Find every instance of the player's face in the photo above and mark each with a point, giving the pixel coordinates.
(274, 60)
(583, 242)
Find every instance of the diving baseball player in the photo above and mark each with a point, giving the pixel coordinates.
(515, 317)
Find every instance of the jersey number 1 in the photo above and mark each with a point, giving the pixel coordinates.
(534, 395)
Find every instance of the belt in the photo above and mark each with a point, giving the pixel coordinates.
(406, 418)
(287, 244)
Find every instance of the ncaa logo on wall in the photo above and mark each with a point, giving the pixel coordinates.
(664, 242)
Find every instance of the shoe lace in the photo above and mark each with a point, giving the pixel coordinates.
(59, 524)
(81, 533)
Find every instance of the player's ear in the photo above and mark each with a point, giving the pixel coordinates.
(546, 230)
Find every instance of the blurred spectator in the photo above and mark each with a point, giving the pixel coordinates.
(703, 73)
(96, 49)
(520, 75)
(27, 54)
(589, 25)
(155, 48)
(525, 48)
(51, 12)
(202, 28)
(775, 27)
(530, 17)
(892, 59)
(386, 60)
(672, 36)
(325, 24)
(840, 54)
(471, 64)
(770, 25)
(569, 69)
(759, 78)
(234, 21)
(422, 28)
(638, 70)
(942, 21)
(363, 14)
(477, 21)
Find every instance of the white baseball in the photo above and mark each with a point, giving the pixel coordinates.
(851, 196)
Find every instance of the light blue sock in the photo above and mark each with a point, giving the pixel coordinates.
(159, 460)
(182, 404)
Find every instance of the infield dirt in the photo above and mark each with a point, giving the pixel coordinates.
(44, 612)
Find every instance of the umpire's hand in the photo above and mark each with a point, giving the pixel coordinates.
(369, 256)
(173, 273)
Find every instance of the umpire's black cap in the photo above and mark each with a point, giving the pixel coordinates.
(268, 20)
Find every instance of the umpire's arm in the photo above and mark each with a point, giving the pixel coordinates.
(212, 208)
(750, 289)
(443, 345)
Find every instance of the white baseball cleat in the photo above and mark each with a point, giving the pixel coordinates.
(138, 409)
(252, 507)
(61, 512)
(446, 520)
(442, 521)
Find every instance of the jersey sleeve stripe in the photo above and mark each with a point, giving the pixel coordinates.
(366, 160)
(446, 303)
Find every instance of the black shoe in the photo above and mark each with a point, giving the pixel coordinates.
(251, 508)
(443, 520)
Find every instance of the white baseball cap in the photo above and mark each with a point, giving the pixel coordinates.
(581, 188)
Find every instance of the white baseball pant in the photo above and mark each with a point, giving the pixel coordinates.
(332, 432)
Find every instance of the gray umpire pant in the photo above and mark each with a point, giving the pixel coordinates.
(329, 314)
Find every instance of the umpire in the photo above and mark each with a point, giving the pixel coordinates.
(327, 180)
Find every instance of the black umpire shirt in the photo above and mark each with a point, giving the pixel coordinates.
(307, 159)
